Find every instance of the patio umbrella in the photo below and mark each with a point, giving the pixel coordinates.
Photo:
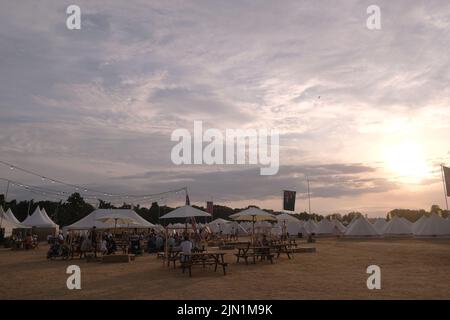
(253, 214)
(116, 219)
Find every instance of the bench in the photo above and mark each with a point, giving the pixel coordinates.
(117, 258)
(304, 250)
(203, 259)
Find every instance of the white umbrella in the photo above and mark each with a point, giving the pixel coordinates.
(116, 219)
(253, 214)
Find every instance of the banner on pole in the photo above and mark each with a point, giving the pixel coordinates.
(209, 207)
(447, 179)
(289, 200)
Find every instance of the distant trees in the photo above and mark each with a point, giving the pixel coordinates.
(75, 208)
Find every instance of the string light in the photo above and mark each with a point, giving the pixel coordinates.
(94, 193)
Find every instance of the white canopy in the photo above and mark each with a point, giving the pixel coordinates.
(11, 216)
(434, 226)
(397, 227)
(8, 225)
(361, 227)
(39, 219)
(185, 212)
(91, 220)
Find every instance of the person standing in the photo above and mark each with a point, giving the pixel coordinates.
(94, 240)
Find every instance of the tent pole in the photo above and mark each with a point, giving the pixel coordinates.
(445, 187)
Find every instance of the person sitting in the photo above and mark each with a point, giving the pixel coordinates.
(265, 241)
(104, 246)
(112, 247)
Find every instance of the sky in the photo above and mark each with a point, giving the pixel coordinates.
(363, 113)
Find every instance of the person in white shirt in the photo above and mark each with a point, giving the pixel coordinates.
(186, 248)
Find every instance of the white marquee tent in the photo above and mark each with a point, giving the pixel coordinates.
(8, 224)
(39, 219)
(339, 225)
(434, 226)
(91, 220)
(10, 215)
(310, 226)
(361, 227)
(418, 224)
(325, 226)
(397, 227)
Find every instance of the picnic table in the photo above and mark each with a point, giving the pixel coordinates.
(282, 248)
(173, 254)
(254, 252)
(203, 259)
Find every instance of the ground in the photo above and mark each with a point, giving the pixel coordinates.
(410, 269)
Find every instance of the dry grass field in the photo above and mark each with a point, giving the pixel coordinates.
(410, 269)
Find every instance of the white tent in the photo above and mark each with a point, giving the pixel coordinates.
(409, 223)
(185, 212)
(11, 216)
(91, 220)
(434, 226)
(232, 227)
(339, 225)
(39, 219)
(361, 227)
(418, 224)
(325, 226)
(8, 225)
(397, 227)
(294, 228)
(310, 226)
(218, 225)
(380, 224)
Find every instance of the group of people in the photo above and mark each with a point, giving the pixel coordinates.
(27, 242)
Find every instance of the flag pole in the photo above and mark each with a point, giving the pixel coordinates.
(309, 196)
(445, 188)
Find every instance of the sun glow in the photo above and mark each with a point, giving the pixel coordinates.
(407, 161)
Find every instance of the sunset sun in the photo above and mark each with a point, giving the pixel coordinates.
(407, 161)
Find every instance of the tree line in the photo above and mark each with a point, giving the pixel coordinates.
(75, 208)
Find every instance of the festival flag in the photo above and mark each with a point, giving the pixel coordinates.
(447, 179)
(188, 202)
(289, 200)
(209, 207)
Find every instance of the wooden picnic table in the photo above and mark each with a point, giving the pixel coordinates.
(282, 248)
(254, 252)
(173, 254)
(203, 259)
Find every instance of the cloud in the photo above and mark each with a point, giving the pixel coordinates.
(106, 98)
